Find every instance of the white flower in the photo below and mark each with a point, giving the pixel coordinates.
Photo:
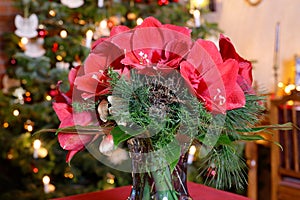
(106, 146)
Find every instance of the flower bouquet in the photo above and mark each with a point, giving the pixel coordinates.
(144, 95)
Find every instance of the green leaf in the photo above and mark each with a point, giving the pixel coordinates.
(78, 130)
(122, 133)
(252, 137)
(224, 139)
(286, 126)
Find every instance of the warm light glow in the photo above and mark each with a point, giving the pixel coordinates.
(52, 13)
(63, 34)
(5, 125)
(69, 175)
(103, 24)
(298, 88)
(110, 181)
(280, 84)
(139, 21)
(197, 18)
(292, 86)
(27, 94)
(48, 98)
(29, 128)
(16, 113)
(35, 170)
(46, 180)
(10, 156)
(24, 40)
(42, 152)
(81, 22)
(89, 33)
(289, 88)
(290, 102)
(88, 40)
(131, 16)
(37, 144)
(196, 13)
(192, 150)
(59, 57)
(199, 2)
(24, 81)
(41, 26)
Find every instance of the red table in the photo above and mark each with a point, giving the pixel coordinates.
(197, 191)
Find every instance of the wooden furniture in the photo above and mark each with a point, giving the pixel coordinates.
(197, 191)
(285, 173)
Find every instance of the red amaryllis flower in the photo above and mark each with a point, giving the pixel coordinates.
(63, 108)
(228, 51)
(153, 46)
(213, 81)
(95, 81)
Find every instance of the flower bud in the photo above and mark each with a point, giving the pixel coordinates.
(107, 145)
(103, 110)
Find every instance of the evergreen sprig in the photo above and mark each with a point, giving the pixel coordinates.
(224, 168)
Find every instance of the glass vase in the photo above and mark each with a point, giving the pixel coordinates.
(158, 184)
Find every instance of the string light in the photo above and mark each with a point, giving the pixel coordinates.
(48, 98)
(52, 13)
(35, 170)
(63, 33)
(24, 40)
(10, 156)
(28, 125)
(36, 146)
(47, 186)
(192, 152)
(88, 40)
(69, 175)
(103, 24)
(139, 21)
(280, 84)
(59, 57)
(16, 112)
(5, 125)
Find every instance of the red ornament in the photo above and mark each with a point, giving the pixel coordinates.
(13, 61)
(53, 93)
(138, 1)
(42, 33)
(54, 47)
(110, 24)
(163, 2)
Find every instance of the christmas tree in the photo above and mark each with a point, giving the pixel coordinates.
(50, 38)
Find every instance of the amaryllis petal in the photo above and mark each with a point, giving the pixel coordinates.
(235, 96)
(93, 83)
(211, 48)
(149, 22)
(71, 154)
(228, 51)
(184, 30)
(102, 56)
(118, 29)
(70, 141)
(62, 110)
